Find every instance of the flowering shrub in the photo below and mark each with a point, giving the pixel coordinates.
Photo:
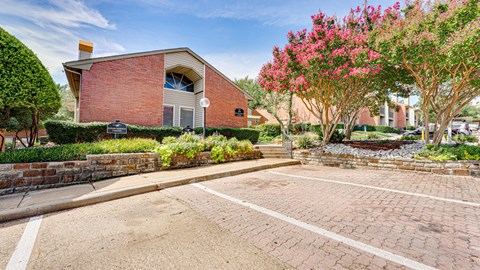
(332, 67)
(189, 145)
(169, 139)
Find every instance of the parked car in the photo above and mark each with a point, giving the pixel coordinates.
(462, 128)
(473, 127)
(431, 126)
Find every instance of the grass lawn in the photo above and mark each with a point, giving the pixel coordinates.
(361, 135)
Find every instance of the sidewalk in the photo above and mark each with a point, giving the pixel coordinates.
(32, 203)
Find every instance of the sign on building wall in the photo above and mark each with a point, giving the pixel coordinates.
(239, 112)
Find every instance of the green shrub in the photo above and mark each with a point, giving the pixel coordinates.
(449, 152)
(218, 154)
(221, 152)
(78, 151)
(372, 136)
(337, 137)
(239, 133)
(460, 138)
(169, 139)
(272, 130)
(220, 147)
(361, 128)
(301, 127)
(188, 138)
(63, 132)
(387, 129)
(410, 137)
(411, 128)
(266, 138)
(304, 142)
(214, 140)
(316, 129)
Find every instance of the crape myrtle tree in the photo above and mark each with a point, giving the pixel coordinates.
(438, 43)
(330, 67)
(273, 102)
(27, 92)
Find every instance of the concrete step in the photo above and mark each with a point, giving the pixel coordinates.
(273, 151)
(276, 156)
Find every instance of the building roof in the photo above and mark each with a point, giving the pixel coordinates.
(73, 68)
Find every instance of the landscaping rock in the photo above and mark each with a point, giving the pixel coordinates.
(405, 151)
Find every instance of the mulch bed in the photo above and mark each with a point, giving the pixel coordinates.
(377, 145)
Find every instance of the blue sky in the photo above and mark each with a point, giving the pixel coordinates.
(237, 37)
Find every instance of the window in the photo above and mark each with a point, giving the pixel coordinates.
(178, 81)
(168, 115)
(186, 117)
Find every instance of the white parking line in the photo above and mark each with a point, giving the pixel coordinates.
(353, 243)
(21, 255)
(380, 188)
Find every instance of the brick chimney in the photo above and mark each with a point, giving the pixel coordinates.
(85, 49)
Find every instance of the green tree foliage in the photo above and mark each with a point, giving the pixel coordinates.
(275, 103)
(470, 111)
(438, 43)
(67, 110)
(26, 89)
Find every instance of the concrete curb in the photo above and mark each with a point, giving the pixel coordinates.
(89, 199)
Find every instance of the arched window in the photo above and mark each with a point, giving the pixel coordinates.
(178, 82)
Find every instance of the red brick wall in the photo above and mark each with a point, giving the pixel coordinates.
(400, 117)
(364, 118)
(224, 99)
(128, 89)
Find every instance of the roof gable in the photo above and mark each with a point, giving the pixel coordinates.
(85, 64)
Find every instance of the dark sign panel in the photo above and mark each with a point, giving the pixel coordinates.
(117, 128)
(239, 112)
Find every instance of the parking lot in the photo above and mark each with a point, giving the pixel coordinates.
(303, 217)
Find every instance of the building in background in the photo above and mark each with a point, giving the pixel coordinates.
(155, 88)
(406, 115)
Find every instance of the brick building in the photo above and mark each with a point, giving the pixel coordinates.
(155, 88)
(405, 116)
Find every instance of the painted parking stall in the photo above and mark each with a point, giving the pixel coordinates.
(316, 220)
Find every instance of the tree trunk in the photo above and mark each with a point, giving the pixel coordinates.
(34, 129)
(348, 129)
(326, 134)
(2, 143)
(290, 111)
(426, 124)
(20, 139)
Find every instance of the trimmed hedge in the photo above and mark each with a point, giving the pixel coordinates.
(271, 130)
(78, 151)
(384, 129)
(387, 129)
(410, 128)
(63, 132)
(239, 133)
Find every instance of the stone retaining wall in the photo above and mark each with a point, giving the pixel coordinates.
(31, 176)
(463, 167)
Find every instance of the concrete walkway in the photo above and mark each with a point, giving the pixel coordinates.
(34, 203)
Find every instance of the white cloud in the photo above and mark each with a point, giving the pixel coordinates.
(238, 65)
(272, 12)
(66, 13)
(52, 30)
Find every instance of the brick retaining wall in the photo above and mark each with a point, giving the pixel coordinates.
(464, 167)
(31, 176)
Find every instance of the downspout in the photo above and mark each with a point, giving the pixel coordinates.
(77, 104)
